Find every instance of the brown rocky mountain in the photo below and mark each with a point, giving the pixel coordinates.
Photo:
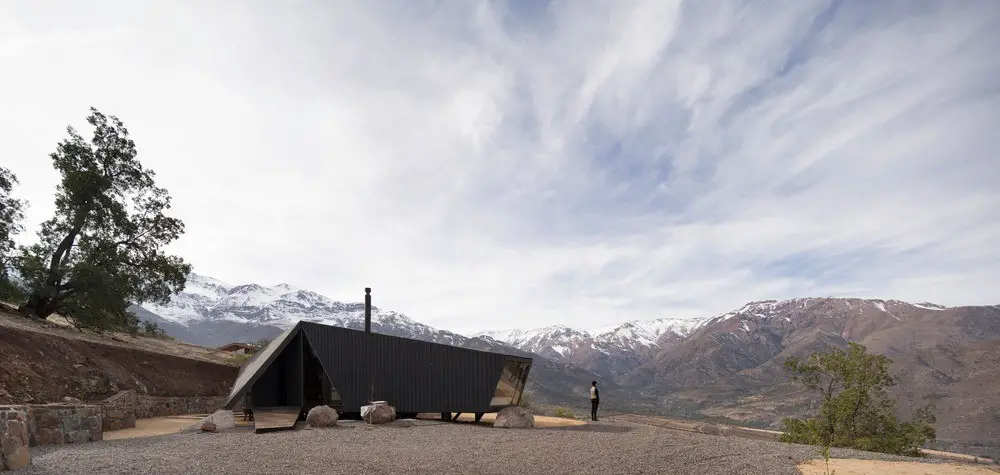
(733, 365)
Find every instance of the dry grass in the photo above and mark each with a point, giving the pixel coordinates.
(955, 456)
(58, 326)
(875, 467)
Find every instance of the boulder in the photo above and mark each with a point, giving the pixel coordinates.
(378, 413)
(208, 427)
(514, 418)
(14, 442)
(222, 419)
(71, 400)
(322, 416)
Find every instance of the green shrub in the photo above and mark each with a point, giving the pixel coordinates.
(564, 413)
(856, 410)
(240, 358)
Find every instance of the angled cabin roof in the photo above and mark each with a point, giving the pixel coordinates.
(259, 362)
(417, 374)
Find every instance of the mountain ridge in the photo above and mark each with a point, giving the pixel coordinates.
(727, 366)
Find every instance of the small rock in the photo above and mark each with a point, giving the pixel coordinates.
(208, 427)
(71, 400)
(220, 420)
(14, 449)
(514, 417)
(378, 413)
(17, 458)
(322, 416)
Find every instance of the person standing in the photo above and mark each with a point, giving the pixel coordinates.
(595, 399)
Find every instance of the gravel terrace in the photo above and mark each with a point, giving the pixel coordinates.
(434, 447)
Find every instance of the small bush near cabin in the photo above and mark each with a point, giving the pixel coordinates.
(564, 413)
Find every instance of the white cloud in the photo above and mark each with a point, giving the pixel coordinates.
(482, 165)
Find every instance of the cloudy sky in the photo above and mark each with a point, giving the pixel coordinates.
(487, 165)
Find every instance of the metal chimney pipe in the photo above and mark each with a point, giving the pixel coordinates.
(368, 309)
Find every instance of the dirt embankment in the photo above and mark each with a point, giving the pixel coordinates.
(41, 362)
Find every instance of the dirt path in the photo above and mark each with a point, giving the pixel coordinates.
(874, 467)
(735, 431)
(540, 421)
(154, 426)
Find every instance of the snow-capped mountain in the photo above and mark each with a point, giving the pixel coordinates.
(214, 312)
(783, 312)
(644, 334)
(559, 341)
(553, 341)
(609, 351)
(211, 312)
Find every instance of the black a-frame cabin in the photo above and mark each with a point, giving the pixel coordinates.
(312, 364)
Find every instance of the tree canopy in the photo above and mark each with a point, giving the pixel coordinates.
(856, 410)
(11, 216)
(104, 247)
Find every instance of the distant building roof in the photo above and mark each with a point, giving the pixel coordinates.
(235, 346)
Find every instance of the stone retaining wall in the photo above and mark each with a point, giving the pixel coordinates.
(14, 438)
(122, 409)
(54, 424)
(159, 406)
(119, 411)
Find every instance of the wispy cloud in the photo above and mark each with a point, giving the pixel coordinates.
(485, 164)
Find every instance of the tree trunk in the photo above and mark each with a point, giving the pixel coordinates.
(38, 306)
(45, 302)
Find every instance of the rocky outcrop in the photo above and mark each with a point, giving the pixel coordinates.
(378, 413)
(14, 438)
(322, 416)
(514, 418)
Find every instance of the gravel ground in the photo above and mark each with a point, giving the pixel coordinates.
(438, 448)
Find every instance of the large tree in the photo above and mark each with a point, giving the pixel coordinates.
(856, 410)
(103, 249)
(11, 215)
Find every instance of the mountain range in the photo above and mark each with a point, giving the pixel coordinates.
(727, 367)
